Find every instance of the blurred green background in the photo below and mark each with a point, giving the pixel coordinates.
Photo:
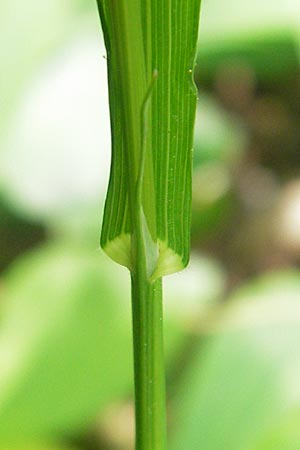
(232, 319)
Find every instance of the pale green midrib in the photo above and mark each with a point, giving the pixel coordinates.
(173, 228)
(130, 53)
(132, 80)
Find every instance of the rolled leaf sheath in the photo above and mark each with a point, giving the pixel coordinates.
(149, 190)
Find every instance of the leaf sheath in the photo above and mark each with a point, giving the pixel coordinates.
(143, 37)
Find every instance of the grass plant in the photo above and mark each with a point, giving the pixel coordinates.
(151, 48)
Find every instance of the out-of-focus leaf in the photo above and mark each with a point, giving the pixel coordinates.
(65, 342)
(189, 294)
(244, 383)
(29, 31)
(37, 446)
(65, 338)
(261, 34)
(55, 160)
(286, 436)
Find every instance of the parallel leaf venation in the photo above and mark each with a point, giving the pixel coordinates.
(140, 37)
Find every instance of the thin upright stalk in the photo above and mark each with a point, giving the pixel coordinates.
(147, 319)
(148, 364)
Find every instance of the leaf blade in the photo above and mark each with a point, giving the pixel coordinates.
(168, 34)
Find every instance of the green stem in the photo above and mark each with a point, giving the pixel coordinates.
(149, 373)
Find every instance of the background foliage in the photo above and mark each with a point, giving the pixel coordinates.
(232, 318)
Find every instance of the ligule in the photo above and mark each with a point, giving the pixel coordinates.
(149, 194)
